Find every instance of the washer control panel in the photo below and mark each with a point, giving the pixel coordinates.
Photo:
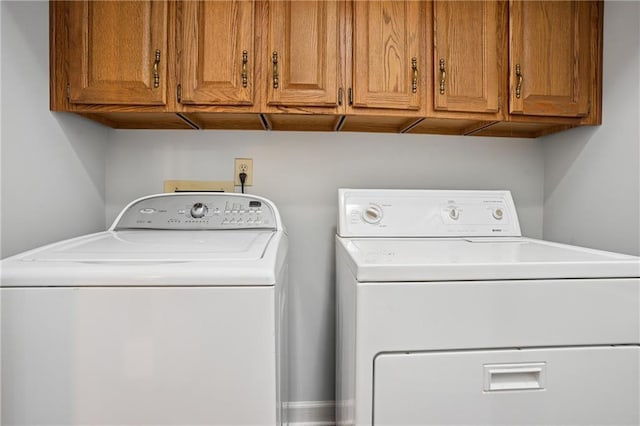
(198, 211)
(426, 213)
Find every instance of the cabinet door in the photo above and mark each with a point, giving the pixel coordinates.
(465, 55)
(117, 52)
(216, 52)
(550, 57)
(304, 53)
(387, 54)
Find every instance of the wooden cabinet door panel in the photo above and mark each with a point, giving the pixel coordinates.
(304, 53)
(386, 37)
(465, 55)
(112, 53)
(550, 57)
(216, 52)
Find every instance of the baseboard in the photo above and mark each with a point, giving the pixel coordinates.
(310, 413)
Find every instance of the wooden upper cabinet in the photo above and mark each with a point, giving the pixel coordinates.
(303, 53)
(550, 63)
(117, 52)
(466, 49)
(387, 54)
(489, 67)
(216, 55)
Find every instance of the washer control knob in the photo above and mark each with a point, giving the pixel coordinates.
(372, 214)
(498, 214)
(198, 210)
(454, 213)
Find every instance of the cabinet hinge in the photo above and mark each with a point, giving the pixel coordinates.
(340, 96)
(179, 93)
(350, 96)
(68, 92)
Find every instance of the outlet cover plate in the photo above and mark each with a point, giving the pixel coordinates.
(243, 165)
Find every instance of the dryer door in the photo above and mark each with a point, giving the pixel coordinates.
(568, 386)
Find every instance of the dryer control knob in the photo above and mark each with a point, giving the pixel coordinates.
(454, 213)
(372, 214)
(498, 214)
(198, 210)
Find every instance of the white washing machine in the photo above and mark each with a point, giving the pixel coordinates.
(447, 315)
(174, 316)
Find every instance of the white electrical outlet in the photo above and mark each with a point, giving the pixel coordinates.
(243, 165)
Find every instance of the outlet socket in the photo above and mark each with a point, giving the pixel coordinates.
(243, 165)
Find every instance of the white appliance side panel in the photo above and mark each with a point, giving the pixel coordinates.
(565, 386)
(345, 340)
(138, 356)
(282, 309)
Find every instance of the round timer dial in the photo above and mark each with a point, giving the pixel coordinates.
(372, 214)
(198, 210)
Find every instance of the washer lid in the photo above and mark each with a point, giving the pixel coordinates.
(151, 257)
(491, 258)
(158, 246)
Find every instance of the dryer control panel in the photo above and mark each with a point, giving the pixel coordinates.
(426, 213)
(198, 210)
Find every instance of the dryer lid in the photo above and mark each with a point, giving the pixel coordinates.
(473, 259)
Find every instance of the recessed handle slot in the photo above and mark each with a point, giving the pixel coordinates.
(503, 377)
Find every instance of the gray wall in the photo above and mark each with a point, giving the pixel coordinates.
(301, 173)
(592, 175)
(52, 165)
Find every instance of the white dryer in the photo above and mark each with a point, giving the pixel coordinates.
(447, 315)
(174, 316)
